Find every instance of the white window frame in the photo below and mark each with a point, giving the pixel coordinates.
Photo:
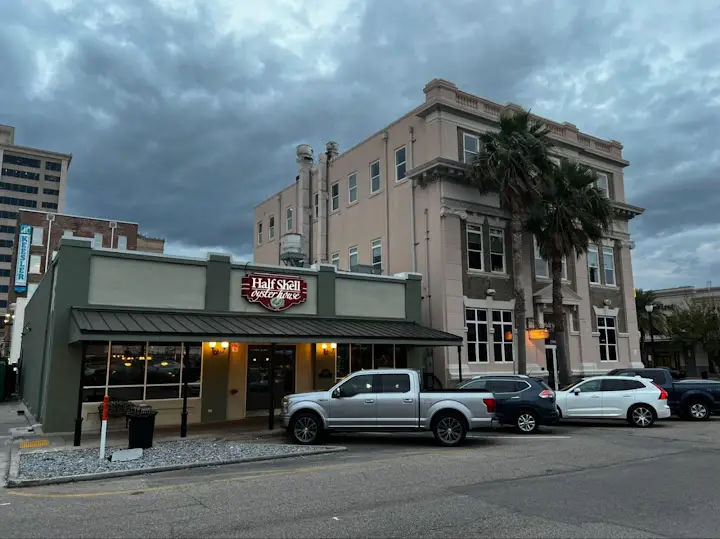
(353, 253)
(335, 196)
(259, 233)
(316, 203)
(564, 269)
(593, 250)
(539, 262)
(288, 219)
(474, 154)
(401, 175)
(35, 265)
(573, 328)
(352, 188)
(477, 342)
(67, 234)
(122, 243)
(271, 227)
(498, 233)
(609, 252)
(376, 245)
(501, 338)
(97, 242)
(603, 183)
(335, 260)
(377, 176)
(38, 236)
(478, 230)
(602, 325)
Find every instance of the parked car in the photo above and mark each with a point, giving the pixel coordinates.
(637, 400)
(387, 400)
(523, 402)
(692, 399)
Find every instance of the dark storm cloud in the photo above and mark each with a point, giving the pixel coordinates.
(184, 130)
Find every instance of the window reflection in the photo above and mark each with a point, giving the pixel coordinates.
(127, 364)
(361, 357)
(383, 356)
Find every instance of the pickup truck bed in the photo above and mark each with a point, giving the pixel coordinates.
(387, 400)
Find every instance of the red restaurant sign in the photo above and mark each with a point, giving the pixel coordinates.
(274, 292)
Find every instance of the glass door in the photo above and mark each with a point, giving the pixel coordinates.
(258, 377)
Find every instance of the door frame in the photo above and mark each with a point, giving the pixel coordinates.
(553, 347)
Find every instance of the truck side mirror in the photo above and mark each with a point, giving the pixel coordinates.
(336, 393)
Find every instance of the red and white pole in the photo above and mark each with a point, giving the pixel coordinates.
(103, 430)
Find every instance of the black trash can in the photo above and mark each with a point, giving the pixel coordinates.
(141, 427)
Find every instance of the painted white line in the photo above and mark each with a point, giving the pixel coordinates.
(5, 503)
(520, 437)
(336, 518)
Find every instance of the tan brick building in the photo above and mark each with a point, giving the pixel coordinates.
(398, 202)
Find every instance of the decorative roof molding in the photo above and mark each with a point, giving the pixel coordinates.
(569, 296)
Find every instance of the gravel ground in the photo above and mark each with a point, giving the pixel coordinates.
(67, 462)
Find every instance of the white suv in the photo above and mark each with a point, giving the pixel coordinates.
(637, 400)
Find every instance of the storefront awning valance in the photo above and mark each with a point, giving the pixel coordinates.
(99, 324)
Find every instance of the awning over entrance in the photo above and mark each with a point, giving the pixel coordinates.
(99, 324)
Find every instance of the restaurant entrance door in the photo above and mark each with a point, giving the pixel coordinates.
(258, 377)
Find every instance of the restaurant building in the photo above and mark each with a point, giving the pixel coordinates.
(140, 327)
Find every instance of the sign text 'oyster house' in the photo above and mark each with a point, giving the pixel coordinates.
(274, 292)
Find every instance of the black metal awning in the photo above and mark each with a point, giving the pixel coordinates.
(113, 324)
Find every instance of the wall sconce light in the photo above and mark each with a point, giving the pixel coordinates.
(490, 292)
(326, 349)
(224, 345)
(212, 344)
(215, 349)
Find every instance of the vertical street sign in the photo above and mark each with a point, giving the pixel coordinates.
(23, 258)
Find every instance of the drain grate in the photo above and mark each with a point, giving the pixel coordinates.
(34, 443)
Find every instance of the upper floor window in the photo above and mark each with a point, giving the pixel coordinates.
(335, 259)
(8, 214)
(11, 172)
(609, 266)
(376, 252)
(55, 192)
(6, 244)
(259, 233)
(541, 265)
(24, 202)
(288, 220)
(316, 203)
(497, 250)
(97, 240)
(122, 243)
(477, 335)
(7, 229)
(49, 205)
(51, 165)
(49, 178)
(352, 257)
(375, 177)
(474, 248)
(21, 161)
(400, 164)
(593, 265)
(335, 196)
(35, 264)
(37, 235)
(19, 188)
(471, 148)
(352, 188)
(607, 328)
(603, 184)
(271, 227)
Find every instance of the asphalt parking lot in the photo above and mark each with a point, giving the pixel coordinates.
(575, 480)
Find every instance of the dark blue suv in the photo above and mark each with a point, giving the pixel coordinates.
(523, 402)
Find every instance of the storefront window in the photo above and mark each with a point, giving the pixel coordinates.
(383, 354)
(361, 357)
(141, 371)
(401, 357)
(342, 366)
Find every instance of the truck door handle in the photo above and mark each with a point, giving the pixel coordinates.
(627, 395)
(407, 400)
(369, 401)
(595, 397)
(513, 398)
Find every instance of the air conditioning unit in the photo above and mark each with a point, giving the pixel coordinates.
(113, 224)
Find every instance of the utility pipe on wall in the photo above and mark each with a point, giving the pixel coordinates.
(413, 234)
(387, 204)
(49, 235)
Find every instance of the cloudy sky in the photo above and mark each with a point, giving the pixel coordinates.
(183, 114)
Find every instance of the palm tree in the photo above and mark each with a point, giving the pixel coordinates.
(512, 163)
(570, 215)
(644, 298)
(697, 323)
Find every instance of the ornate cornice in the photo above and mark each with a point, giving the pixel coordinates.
(450, 210)
(440, 168)
(623, 210)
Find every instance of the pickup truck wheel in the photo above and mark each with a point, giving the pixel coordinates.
(306, 428)
(450, 430)
(527, 422)
(641, 416)
(697, 410)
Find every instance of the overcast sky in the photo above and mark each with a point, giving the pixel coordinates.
(183, 114)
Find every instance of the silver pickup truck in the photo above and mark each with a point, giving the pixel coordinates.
(385, 400)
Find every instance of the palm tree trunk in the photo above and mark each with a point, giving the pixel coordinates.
(559, 321)
(516, 225)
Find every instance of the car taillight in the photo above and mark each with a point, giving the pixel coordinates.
(547, 394)
(663, 393)
(490, 404)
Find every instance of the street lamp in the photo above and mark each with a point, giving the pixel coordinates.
(649, 309)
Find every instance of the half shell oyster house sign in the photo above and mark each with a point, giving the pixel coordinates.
(274, 292)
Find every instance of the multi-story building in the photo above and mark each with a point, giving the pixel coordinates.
(31, 179)
(399, 201)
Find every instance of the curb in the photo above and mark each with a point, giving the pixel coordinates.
(14, 482)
